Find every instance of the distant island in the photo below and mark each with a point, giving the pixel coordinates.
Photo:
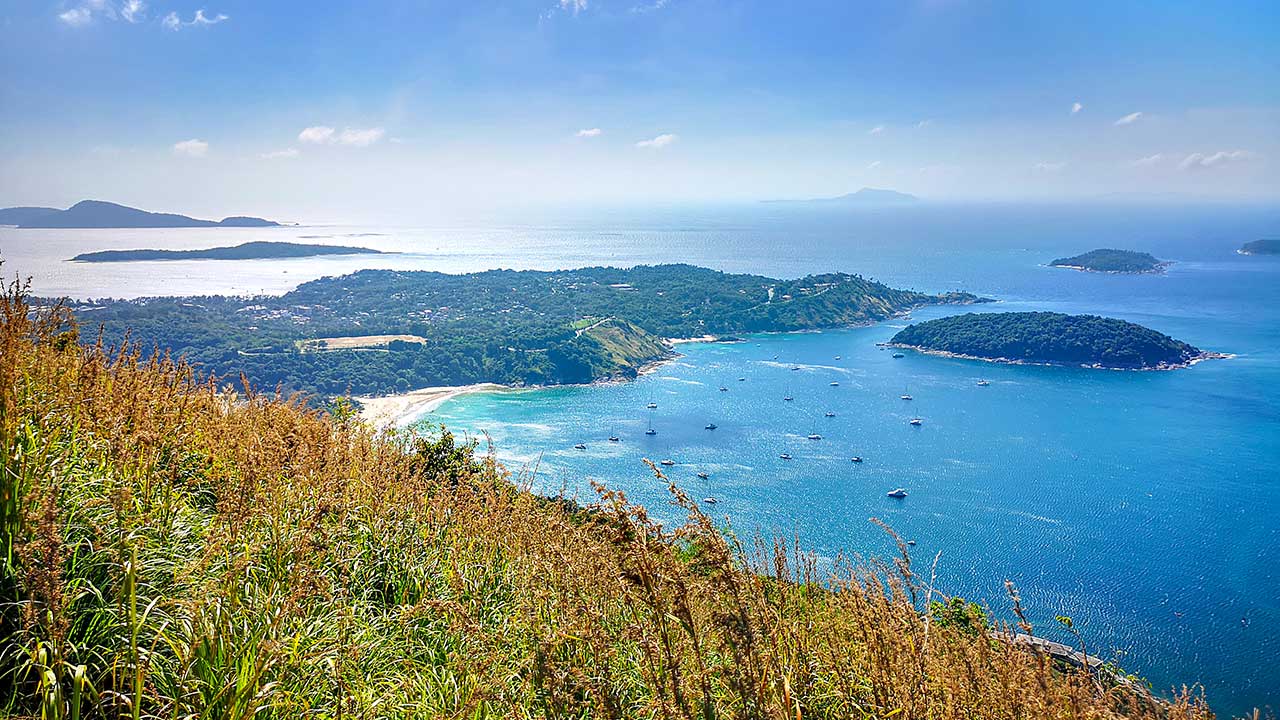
(100, 214)
(864, 197)
(381, 331)
(1108, 260)
(1261, 247)
(1047, 338)
(245, 251)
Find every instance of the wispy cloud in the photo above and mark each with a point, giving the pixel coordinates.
(191, 148)
(317, 135)
(76, 17)
(1129, 119)
(1196, 161)
(1076, 107)
(175, 23)
(355, 137)
(658, 142)
(589, 132)
(924, 123)
(1148, 161)
(280, 154)
(573, 6)
(648, 6)
(873, 164)
(876, 130)
(1048, 167)
(133, 11)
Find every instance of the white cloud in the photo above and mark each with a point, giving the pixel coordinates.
(1196, 161)
(280, 154)
(658, 142)
(191, 148)
(645, 7)
(361, 137)
(590, 132)
(1048, 167)
(318, 135)
(75, 17)
(1129, 119)
(924, 123)
(133, 10)
(873, 164)
(1148, 161)
(1076, 107)
(876, 130)
(573, 6)
(173, 22)
(355, 137)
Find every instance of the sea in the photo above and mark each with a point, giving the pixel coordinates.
(1143, 505)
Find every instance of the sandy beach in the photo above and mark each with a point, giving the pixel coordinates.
(403, 409)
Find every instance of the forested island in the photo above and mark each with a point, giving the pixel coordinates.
(1109, 260)
(244, 251)
(503, 326)
(102, 214)
(1048, 338)
(1261, 247)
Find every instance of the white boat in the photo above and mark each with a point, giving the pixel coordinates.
(856, 458)
(710, 500)
(650, 431)
(703, 475)
(579, 446)
(835, 384)
(742, 379)
(652, 406)
(983, 383)
(667, 463)
(815, 436)
(613, 438)
(917, 422)
(724, 389)
(785, 456)
(828, 414)
(899, 493)
(788, 398)
(710, 426)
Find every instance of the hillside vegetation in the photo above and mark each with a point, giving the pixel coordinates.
(501, 326)
(259, 249)
(175, 550)
(1113, 261)
(1050, 338)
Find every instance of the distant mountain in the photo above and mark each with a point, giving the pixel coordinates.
(1261, 247)
(24, 215)
(864, 197)
(100, 214)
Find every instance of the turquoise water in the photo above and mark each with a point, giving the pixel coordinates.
(1144, 505)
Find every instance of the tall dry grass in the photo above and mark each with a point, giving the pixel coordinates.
(172, 549)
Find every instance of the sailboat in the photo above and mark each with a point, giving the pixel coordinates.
(905, 395)
(983, 383)
(650, 431)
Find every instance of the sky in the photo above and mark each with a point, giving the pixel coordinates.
(397, 111)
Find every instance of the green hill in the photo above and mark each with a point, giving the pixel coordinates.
(1112, 261)
(1050, 338)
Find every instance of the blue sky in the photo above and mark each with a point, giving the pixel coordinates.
(405, 110)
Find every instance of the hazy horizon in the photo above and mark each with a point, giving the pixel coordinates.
(404, 114)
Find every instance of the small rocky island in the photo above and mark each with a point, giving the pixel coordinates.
(1108, 260)
(245, 251)
(1261, 247)
(1047, 338)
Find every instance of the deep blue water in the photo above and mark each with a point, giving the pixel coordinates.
(1144, 505)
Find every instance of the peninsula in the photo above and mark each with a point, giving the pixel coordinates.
(1109, 260)
(101, 214)
(244, 251)
(1047, 338)
(1261, 247)
(382, 331)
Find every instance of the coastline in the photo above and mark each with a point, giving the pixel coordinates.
(405, 408)
(1159, 269)
(1204, 355)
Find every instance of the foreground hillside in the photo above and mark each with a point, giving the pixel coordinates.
(178, 551)
(501, 326)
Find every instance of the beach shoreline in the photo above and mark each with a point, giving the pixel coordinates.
(403, 409)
